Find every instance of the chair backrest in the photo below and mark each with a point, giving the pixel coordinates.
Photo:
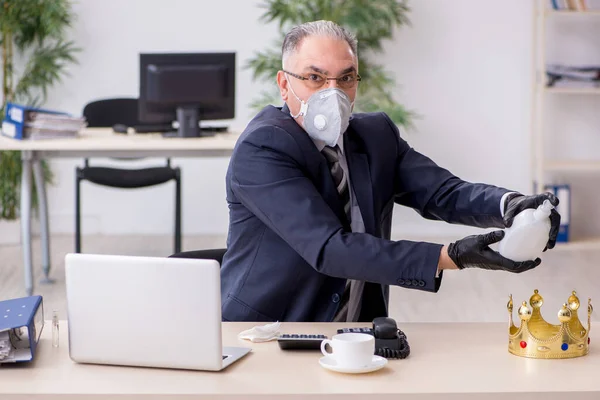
(108, 112)
(206, 254)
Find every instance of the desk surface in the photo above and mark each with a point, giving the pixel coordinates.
(447, 361)
(104, 139)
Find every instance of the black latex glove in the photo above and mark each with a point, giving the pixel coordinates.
(518, 202)
(474, 252)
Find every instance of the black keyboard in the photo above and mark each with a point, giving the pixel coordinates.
(152, 128)
(300, 342)
(169, 128)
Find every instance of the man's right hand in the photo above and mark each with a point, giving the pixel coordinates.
(474, 252)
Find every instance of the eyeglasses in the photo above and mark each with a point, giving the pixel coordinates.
(315, 80)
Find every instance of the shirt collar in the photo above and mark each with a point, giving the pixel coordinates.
(321, 144)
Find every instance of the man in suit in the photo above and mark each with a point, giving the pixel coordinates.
(311, 189)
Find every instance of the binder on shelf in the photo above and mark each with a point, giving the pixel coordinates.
(571, 5)
(21, 324)
(563, 192)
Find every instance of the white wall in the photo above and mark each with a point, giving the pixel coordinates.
(464, 66)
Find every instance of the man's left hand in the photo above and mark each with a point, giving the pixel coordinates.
(518, 202)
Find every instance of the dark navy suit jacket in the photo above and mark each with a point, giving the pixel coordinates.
(290, 248)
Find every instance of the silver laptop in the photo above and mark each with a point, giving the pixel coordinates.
(146, 311)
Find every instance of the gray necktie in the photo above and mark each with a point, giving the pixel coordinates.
(339, 177)
(351, 299)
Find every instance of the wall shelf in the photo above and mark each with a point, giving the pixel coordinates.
(572, 13)
(592, 243)
(572, 165)
(563, 90)
(549, 21)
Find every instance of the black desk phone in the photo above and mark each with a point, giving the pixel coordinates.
(390, 342)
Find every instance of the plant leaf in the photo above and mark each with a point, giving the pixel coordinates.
(39, 20)
(46, 66)
(265, 98)
(37, 29)
(265, 65)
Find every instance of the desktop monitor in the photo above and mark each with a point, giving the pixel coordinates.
(187, 88)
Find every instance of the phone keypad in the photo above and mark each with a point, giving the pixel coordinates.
(299, 341)
(368, 331)
(297, 336)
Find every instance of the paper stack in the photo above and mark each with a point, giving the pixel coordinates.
(22, 122)
(6, 350)
(569, 76)
(41, 125)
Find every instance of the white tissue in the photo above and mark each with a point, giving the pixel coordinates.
(261, 333)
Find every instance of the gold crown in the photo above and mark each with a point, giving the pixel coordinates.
(536, 338)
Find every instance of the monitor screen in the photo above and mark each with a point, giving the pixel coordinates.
(186, 84)
(202, 82)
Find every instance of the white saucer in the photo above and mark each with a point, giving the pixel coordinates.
(376, 363)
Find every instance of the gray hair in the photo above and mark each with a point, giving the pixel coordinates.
(317, 28)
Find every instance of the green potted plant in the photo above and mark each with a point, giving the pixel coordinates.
(34, 33)
(371, 21)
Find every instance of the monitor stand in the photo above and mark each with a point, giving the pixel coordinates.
(189, 124)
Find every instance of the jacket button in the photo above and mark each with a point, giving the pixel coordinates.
(335, 298)
(421, 283)
(415, 282)
(407, 282)
(400, 281)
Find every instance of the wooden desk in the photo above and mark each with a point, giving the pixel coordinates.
(447, 361)
(96, 142)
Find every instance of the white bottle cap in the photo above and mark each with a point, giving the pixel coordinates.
(543, 211)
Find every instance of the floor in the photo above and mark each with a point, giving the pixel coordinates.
(465, 296)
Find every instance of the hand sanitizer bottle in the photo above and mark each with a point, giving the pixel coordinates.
(526, 238)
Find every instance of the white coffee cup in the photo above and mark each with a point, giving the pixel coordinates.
(351, 350)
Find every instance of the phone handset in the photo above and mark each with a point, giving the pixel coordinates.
(390, 342)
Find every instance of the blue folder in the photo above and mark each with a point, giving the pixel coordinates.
(21, 324)
(563, 192)
(16, 119)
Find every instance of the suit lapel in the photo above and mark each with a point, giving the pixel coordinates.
(360, 179)
(319, 169)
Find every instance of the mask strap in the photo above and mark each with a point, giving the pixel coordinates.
(303, 105)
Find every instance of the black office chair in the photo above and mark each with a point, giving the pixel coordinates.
(107, 113)
(208, 254)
